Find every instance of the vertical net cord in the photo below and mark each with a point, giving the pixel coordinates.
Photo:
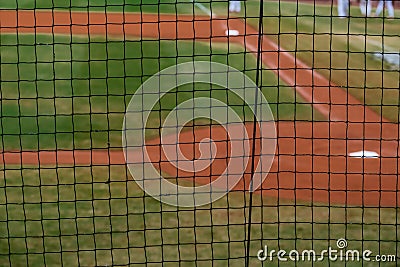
(254, 136)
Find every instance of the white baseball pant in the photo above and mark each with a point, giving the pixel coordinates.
(365, 7)
(234, 6)
(343, 8)
(389, 6)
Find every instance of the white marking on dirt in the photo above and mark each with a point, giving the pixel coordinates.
(364, 154)
(231, 32)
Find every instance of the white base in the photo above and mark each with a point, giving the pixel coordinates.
(231, 33)
(364, 154)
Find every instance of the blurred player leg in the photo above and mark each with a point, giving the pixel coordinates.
(369, 7)
(343, 8)
(390, 8)
(365, 7)
(379, 8)
(238, 6)
(232, 6)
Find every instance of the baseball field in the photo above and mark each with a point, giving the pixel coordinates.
(69, 70)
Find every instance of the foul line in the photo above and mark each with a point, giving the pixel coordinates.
(377, 44)
(204, 9)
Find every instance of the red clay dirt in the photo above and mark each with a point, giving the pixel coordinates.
(312, 162)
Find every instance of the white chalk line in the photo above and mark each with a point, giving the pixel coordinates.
(204, 9)
(377, 44)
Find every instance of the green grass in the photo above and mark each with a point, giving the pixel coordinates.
(340, 49)
(71, 93)
(96, 217)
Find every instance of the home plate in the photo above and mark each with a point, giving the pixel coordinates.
(364, 154)
(231, 33)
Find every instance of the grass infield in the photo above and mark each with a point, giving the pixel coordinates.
(93, 216)
(65, 93)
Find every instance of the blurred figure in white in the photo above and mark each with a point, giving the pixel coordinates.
(234, 6)
(365, 7)
(343, 8)
(381, 6)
